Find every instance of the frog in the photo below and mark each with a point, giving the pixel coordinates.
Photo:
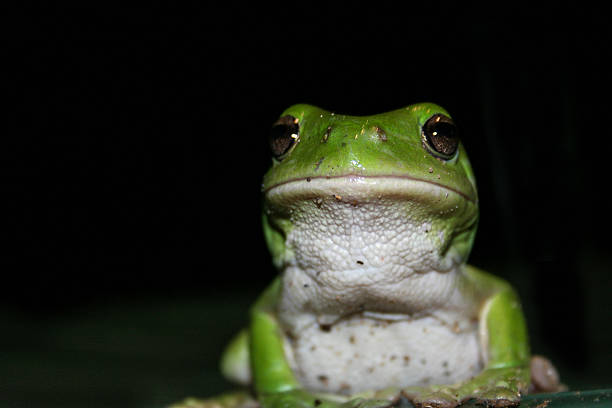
(370, 221)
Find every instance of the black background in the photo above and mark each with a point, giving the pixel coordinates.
(137, 140)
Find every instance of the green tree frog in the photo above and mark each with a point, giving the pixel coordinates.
(370, 221)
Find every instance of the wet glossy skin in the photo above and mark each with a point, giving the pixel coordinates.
(380, 147)
(390, 144)
(370, 220)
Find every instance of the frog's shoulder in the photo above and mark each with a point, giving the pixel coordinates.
(484, 280)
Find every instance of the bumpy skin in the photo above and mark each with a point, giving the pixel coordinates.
(370, 229)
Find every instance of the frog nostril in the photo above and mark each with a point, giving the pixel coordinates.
(326, 134)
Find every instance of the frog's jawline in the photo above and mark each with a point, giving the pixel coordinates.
(357, 177)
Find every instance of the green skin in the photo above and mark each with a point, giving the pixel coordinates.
(398, 151)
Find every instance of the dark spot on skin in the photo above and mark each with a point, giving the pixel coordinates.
(393, 357)
(313, 348)
(325, 327)
(402, 401)
(423, 361)
(360, 262)
(345, 387)
(371, 370)
(352, 339)
(447, 373)
(456, 328)
(317, 402)
(305, 285)
(445, 364)
(318, 163)
(381, 134)
(323, 379)
(406, 360)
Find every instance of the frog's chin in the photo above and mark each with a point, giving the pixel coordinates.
(402, 223)
(356, 189)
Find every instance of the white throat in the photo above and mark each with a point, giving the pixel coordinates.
(375, 256)
(366, 264)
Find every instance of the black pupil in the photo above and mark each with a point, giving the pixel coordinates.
(444, 129)
(441, 135)
(283, 135)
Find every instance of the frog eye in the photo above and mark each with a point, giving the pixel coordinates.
(440, 136)
(284, 134)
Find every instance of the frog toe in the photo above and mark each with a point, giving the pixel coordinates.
(499, 397)
(432, 398)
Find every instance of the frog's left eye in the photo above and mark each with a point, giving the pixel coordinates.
(440, 136)
(284, 134)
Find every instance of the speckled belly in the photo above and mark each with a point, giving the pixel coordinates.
(360, 354)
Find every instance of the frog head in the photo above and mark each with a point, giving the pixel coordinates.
(385, 171)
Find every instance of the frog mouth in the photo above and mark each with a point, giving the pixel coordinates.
(356, 188)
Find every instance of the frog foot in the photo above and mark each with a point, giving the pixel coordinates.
(497, 387)
(493, 387)
(303, 399)
(449, 398)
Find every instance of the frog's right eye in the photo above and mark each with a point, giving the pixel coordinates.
(440, 137)
(284, 134)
